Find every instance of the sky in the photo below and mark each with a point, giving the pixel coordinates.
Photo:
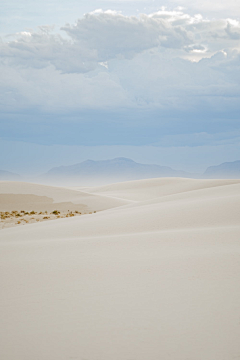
(155, 81)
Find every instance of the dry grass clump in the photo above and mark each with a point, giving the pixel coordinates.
(2, 214)
(25, 217)
(5, 215)
(70, 214)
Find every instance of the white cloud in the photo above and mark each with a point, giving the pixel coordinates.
(110, 60)
(212, 9)
(102, 36)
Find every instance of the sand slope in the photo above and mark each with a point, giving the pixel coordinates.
(156, 278)
(55, 195)
(153, 188)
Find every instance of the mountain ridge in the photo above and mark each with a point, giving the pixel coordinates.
(7, 175)
(224, 170)
(113, 170)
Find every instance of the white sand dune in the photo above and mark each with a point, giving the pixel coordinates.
(55, 195)
(157, 276)
(153, 188)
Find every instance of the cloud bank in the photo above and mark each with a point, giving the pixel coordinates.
(168, 71)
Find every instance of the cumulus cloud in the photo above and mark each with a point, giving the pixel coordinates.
(214, 9)
(116, 36)
(102, 36)
(165, 60)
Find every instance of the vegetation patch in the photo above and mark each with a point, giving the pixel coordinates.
(8, 219)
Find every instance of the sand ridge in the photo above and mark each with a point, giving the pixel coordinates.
(60, 195)
(147, 189)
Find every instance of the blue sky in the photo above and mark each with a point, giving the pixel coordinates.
(155, 81)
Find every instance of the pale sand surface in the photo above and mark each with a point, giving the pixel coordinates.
(153, 188)
(155, 278)
(60, 195)
(19, 196)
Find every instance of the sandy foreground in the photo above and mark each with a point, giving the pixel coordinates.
(153, 274)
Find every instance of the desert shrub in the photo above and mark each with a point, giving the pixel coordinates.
(32, 213)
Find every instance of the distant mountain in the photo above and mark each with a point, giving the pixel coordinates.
(227, 170)
(7, 175)
(107, 171)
